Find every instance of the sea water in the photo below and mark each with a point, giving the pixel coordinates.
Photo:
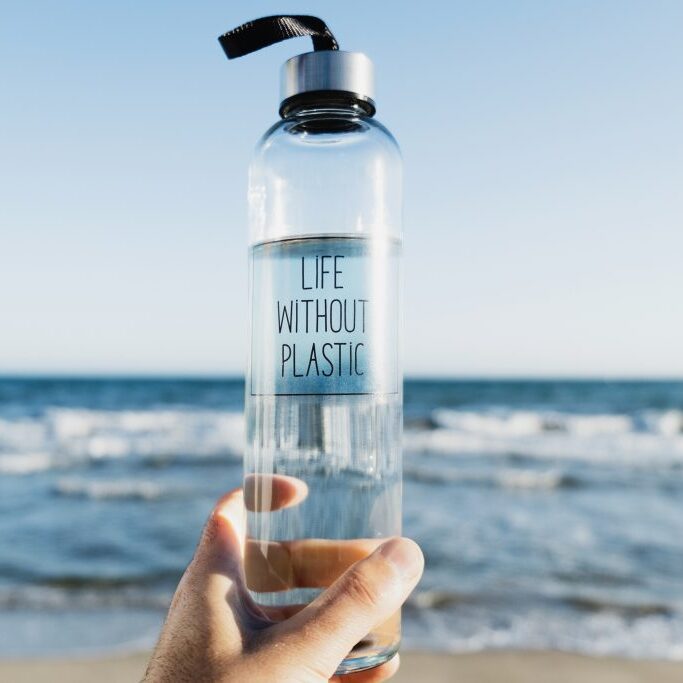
(550, 512)
(324, 410)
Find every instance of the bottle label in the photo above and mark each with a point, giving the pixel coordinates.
(324, 316)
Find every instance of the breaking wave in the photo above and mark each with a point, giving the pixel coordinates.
(122, 489)
(57, 598)
(643, 439)
(514, 479)
(62, 437)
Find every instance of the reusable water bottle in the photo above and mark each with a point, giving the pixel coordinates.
(324, 383)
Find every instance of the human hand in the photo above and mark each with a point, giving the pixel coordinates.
(215, 633)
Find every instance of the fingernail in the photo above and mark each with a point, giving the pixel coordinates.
(405, 555)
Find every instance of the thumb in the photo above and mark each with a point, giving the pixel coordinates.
(217, 563)
(366, 595)
(221, 546)
(216, 574)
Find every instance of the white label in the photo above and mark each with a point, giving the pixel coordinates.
(324, 316)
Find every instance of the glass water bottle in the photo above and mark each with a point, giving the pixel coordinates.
(324, 382)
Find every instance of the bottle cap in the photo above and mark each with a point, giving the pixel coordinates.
(326, 76)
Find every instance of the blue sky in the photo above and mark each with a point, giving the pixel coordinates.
(543, 145)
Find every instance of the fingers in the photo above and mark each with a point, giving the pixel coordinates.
(268, 492)
(367, 594)
(380, 673)
(306, 563)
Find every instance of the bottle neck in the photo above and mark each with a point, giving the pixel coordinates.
(320, 103)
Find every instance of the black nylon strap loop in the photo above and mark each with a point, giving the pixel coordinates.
(266, 31)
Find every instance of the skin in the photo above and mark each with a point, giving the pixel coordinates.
(215, 632)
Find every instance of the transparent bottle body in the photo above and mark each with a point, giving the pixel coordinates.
(324, 383)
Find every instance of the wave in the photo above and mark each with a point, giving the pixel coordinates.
(120, 489)
(25, 463)
(505, 422)
(441, 620)
(645, 438)
(57, 598)
(433, 619)
(436, 599)
(444, 599)
(626, 610)
(514, 479)
(63, 437)
(651, 637)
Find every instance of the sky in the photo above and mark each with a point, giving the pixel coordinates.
(543, 151)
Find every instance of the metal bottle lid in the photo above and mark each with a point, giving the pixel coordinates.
(328, 74)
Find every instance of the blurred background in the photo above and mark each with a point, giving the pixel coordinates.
(543, 149)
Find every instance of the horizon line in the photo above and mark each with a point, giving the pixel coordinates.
(417, 377)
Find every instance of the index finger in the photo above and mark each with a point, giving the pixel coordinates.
(270, 492)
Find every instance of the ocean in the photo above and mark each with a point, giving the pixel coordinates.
(550, 512)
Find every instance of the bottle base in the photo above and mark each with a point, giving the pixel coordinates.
(364, 656)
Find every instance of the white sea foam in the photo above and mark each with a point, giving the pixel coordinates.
(513, 423)
(520, 479)
(25, 463)
(108, 489)
(666, 423)
(57, 598)
(464, 629)
(648, 438)
(105, 434)
(22, 434)
(530, 479)
(65, 436)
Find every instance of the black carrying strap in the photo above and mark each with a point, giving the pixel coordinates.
(266, 31)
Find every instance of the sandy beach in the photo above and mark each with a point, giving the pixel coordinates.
(485, 667)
